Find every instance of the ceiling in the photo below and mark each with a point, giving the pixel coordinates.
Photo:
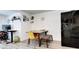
(35, 11)
(9, 12)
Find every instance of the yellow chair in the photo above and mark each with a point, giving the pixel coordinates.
(31, 37)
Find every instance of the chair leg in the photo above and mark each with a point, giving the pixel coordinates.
(39, 41)
(28, 41)
(47, 43)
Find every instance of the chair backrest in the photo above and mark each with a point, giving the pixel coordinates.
(31, 35)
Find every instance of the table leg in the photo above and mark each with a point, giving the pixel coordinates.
(11, 37)
(28, 41)
(47, 43)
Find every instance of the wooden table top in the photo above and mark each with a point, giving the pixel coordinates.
(37, 31)
(12, 30)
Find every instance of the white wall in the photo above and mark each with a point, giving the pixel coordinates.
(3, 21)
(20, 26)
(51, 22)
(25, 27)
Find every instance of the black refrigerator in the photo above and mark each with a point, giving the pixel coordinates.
(70, 29)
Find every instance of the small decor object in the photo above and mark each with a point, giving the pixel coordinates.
(16, 18)
(16, 39)
(25, 18)
(32, 17)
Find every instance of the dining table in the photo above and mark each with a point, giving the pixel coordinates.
(39, 33)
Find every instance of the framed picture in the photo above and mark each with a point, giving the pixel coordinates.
(25, 18)
(16, 18)
(32, 17)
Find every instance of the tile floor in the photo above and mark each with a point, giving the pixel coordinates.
(33, 45)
